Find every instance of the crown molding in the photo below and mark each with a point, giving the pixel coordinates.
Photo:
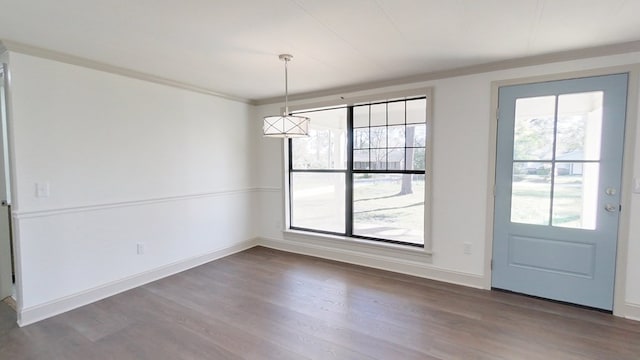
(605, 50)
(17, 47)
(568, 55)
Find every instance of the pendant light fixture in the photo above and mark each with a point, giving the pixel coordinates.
(286, 125)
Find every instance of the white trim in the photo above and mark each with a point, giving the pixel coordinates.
(631, 311)
(427, 238)
(425, 91)
(626, 193)
(77, 209)
(357, 244)
(491, 185)
(25, 49)
(416, 265)
(40, 312)
(269, 189)
(568, 55)
(17, 253)
(613, 49)
(364, 99)
(633, 70)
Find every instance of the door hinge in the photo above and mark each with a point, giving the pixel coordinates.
(491, 265)
(620, 207)
(497, 113)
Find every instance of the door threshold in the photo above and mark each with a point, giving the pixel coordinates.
(554, 301)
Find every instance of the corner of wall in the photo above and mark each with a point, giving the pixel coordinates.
(630, 311)
(389, 259)
(36, 313)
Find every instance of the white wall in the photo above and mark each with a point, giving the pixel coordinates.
(633, 268)
(127, 162)
(461, 161)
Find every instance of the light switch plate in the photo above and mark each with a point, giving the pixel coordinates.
(636, 185)
(42, 189)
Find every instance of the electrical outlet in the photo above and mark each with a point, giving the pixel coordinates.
(140, 249)
(466, 248)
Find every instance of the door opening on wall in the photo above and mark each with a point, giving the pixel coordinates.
(7, 268)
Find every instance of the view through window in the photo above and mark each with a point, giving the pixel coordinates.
(361, 172)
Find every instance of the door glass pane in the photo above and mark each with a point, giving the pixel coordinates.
(389, 206)
(579, 129)
(318, 201)
(575, 195)
(531, 193)
(534, 128)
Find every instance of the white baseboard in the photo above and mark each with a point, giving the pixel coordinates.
(410, 267)
(378, 261)
(631, 311)
(40, 312)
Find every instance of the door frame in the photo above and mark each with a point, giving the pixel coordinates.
(5, 63)
(6, 248)
(619, 306)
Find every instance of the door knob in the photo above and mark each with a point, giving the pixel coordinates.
(611, 208)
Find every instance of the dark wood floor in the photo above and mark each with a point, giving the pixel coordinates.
(266, 304)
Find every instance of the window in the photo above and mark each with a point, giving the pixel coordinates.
(361, 172)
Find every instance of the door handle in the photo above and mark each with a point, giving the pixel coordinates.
(611, 208)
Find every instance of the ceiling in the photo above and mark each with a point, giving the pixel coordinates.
(231, 46)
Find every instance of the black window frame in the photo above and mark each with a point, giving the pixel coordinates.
(349, 172)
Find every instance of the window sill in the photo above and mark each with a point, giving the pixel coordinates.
(359, 245)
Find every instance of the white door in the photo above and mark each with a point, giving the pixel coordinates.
(558, 176)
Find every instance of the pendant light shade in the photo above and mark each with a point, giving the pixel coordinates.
(286, 125)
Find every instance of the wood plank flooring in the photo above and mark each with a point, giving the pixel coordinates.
(267, 304)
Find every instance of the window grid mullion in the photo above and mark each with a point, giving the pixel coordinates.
(406, 145)
(349, 176)
(386, 133)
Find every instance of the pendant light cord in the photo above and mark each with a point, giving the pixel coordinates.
(286, 88)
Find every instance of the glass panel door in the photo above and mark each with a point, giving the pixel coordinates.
(558, 175)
